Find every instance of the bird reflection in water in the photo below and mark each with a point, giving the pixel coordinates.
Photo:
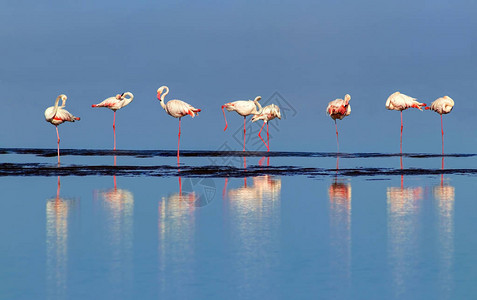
(57, 213)
(444, 194)
(118, 208)
(339, 193)
(254, 224)
(224, 191)
(176, 222)
(403, 205)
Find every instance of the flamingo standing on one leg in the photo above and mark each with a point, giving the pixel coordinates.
(268, 113)
(338, 109)
(243, 108)
(58, 115)
(400, 102)
(442, 106)
(176, 109)
(115, 103)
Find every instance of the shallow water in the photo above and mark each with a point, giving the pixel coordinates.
(288, 225)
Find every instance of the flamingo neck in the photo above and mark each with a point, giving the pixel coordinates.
(164, 96)
(128, 100)
(260, 108)
(55, 110)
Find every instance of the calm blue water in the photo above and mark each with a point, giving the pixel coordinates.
(296, 228)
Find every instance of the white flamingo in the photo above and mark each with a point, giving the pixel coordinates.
(442, 106)
(400, 102)
(338, 109)
(267, 114)
(176, 109)
(115, 103)
(57, 115)
(243, 108)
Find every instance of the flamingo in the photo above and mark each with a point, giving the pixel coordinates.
(243, 108)
(176, 109)
(442, 106)
(338, 109)
(57, 115)
(268, 113)
(115, 103)
(398, 101)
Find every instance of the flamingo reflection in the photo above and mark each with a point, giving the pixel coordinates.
(339, 193)
(176, 222)
(254, 222)
(224, 190)
(117, 205)
(444, 194)
(57, 213)
(403, 205)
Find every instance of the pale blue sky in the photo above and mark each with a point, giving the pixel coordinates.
(211, 52)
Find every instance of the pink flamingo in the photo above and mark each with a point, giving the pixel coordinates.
(115, 103)
(268, 113)
(338, 109)
(176, 109)
(400, 102)
(243, 108)
(58, 115)
(442, 106)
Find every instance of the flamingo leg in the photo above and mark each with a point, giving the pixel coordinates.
(442, 131)
(226, 125)
(442, 174)
(401, 134)
(268, 140)
(261, 136)
(244, 132)
(245, 168)
(178, 140)
(114, 129)
(58, 136)
(336, 126)
(114, 176)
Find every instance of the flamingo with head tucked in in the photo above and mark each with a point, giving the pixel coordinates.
(176, 109)
(243, 108)
(400, 102)
(57, 115)
(338, 109)
(443, 105)
(267, 114)
(115, 103)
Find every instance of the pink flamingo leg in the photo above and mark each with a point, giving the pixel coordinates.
(244, 131)
(268, 140)
(178, 140)
(336, 126)
(114, 129)
(58, 136)
(401, 134)
(226, 125)
(442, 130)
(261, 136)
(245, 169)
(442, 174)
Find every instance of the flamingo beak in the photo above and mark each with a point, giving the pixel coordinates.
(159, 95)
